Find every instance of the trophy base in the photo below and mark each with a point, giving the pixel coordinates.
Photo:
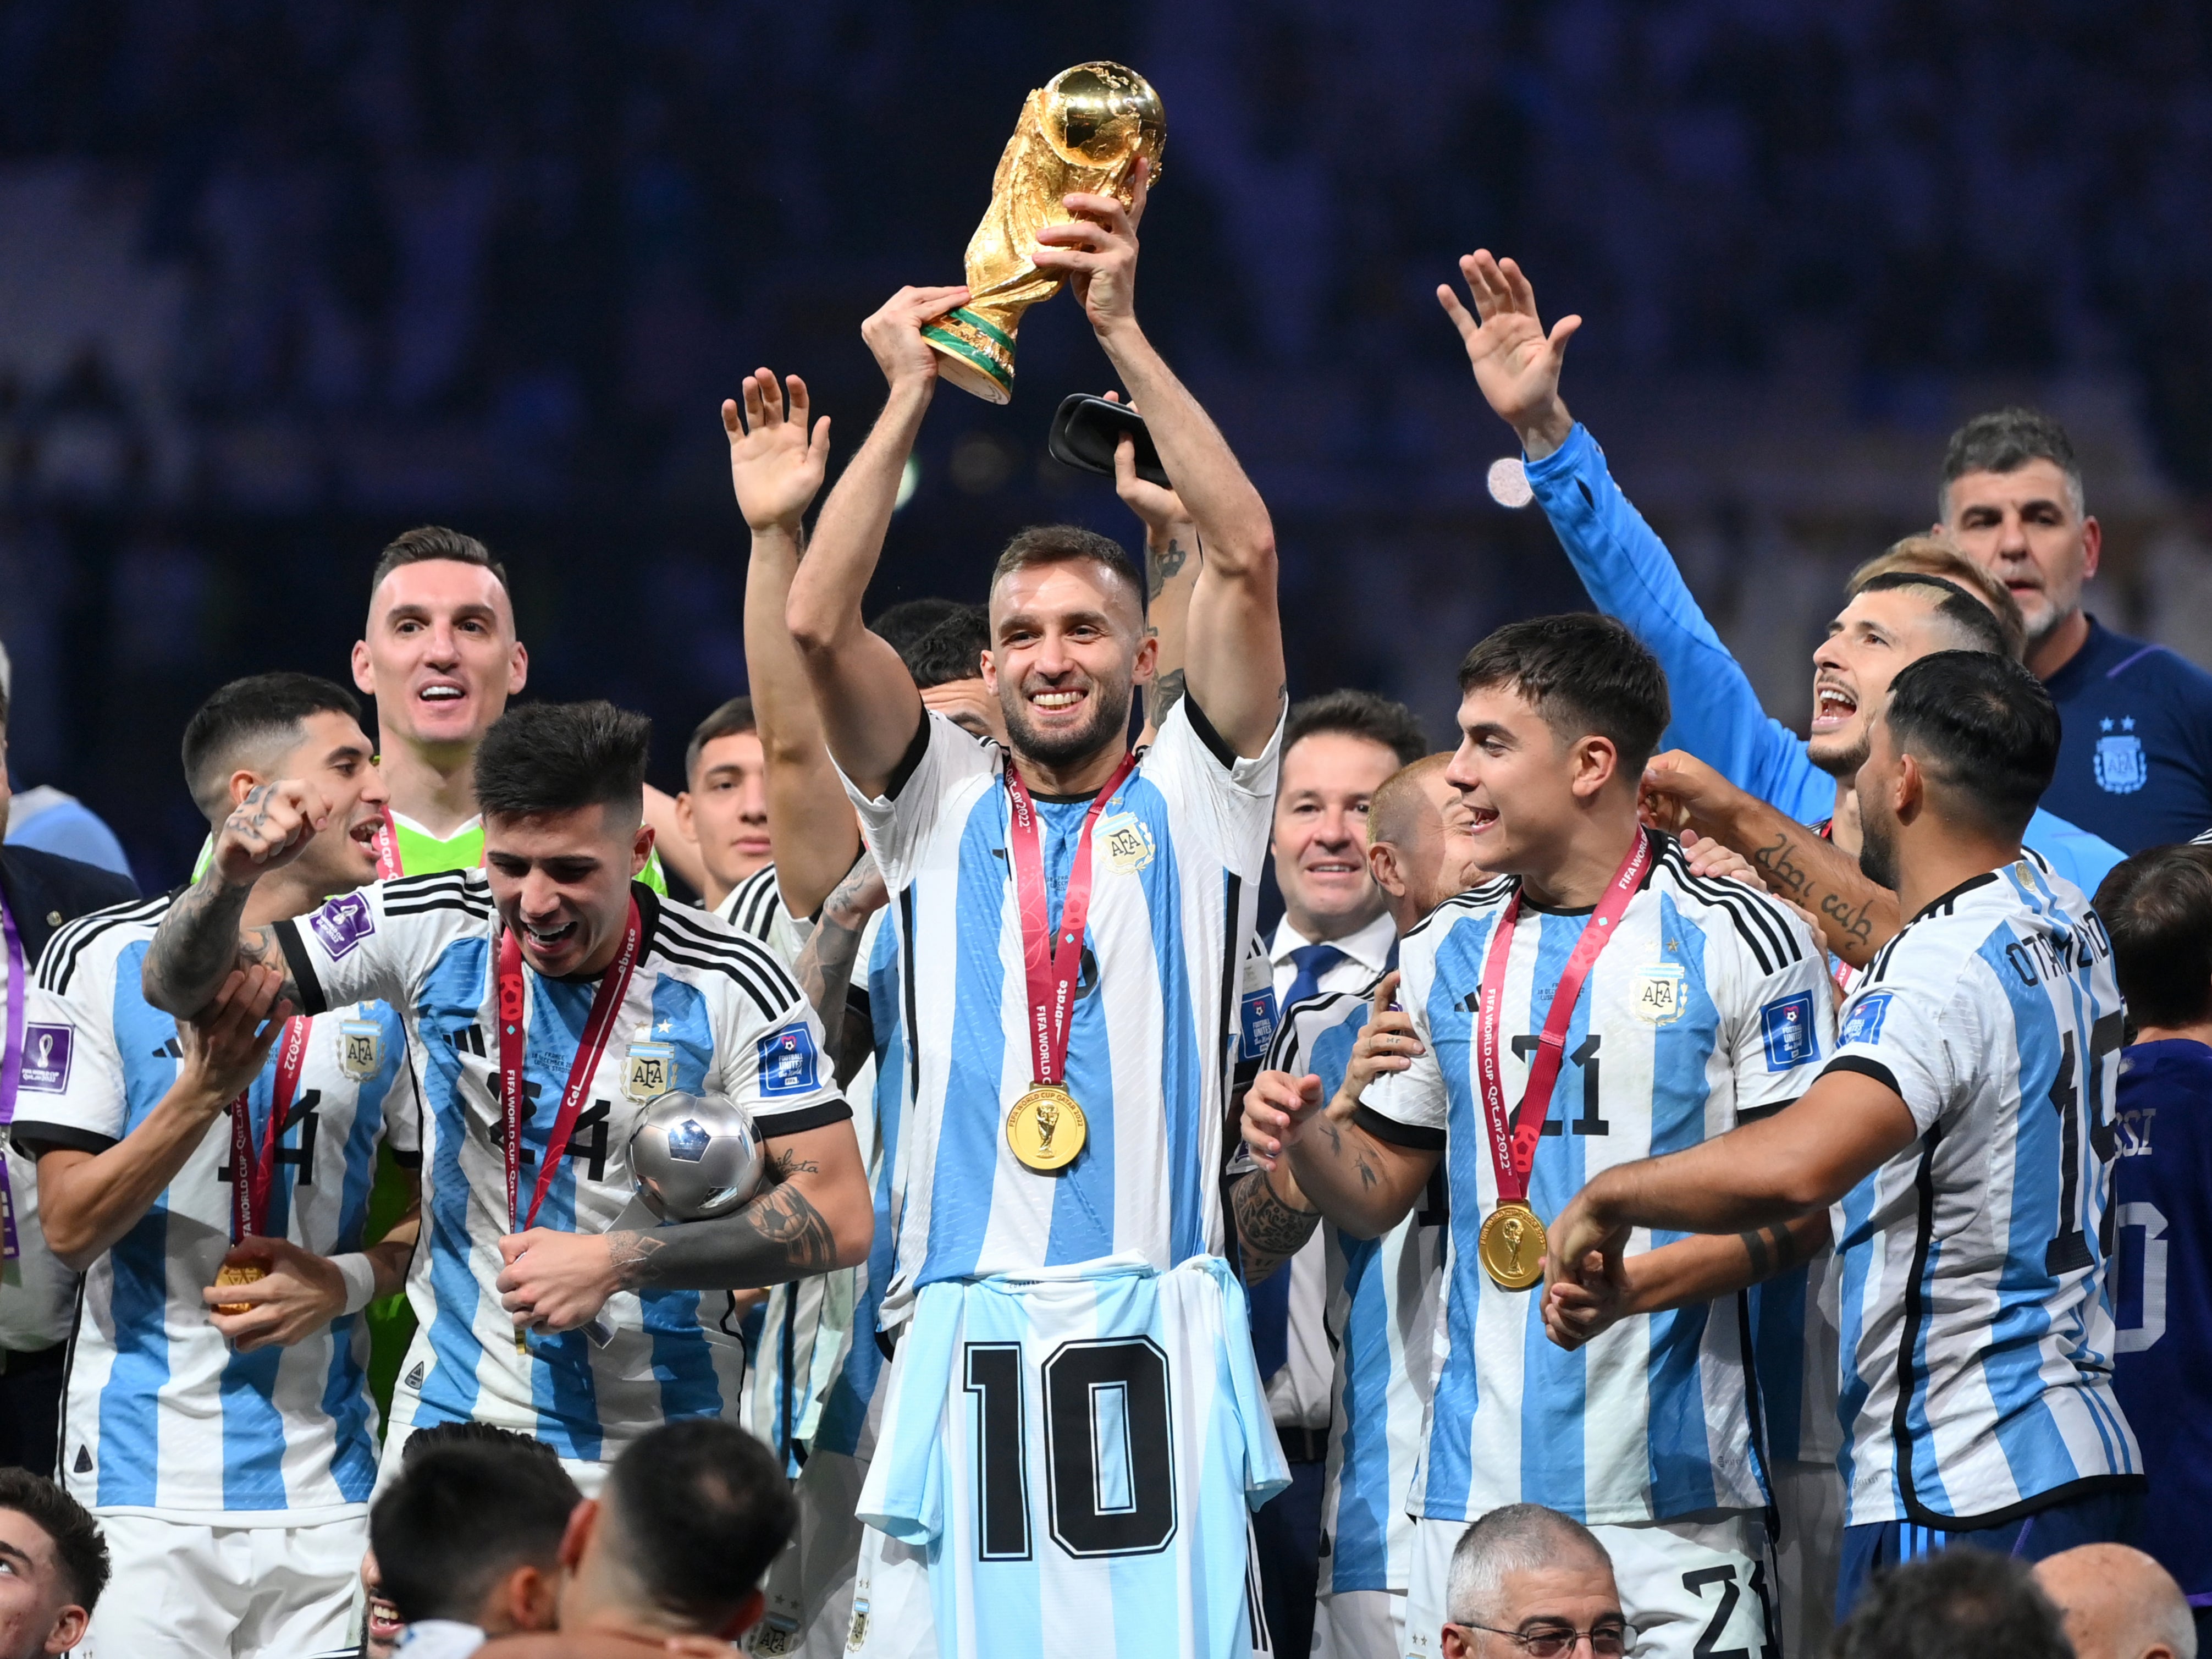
(978, 358)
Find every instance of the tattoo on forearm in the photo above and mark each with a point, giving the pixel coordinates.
(1853, 921)
(1163, 565)
(777, 1237)
(198, 943)
(1167, 692)
(1270, 1231)
(1772, 1250)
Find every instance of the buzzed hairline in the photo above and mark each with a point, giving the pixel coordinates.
(504, 609)
(1122, 576)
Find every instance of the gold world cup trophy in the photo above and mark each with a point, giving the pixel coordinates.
(1083, 131)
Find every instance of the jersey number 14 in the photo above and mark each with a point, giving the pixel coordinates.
(1109, 1445)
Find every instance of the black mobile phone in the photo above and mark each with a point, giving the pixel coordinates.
(1085, 431)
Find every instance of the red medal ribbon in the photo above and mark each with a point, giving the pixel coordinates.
(598, 1026)
(253, 1173)
(1054, 961)
(387, 846)
(1513, 1147)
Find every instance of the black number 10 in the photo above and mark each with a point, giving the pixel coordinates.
(1106, 1415)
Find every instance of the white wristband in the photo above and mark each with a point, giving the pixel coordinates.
(360, 1275)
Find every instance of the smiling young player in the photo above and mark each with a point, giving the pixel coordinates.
(1596, 1002)
(539, 995)
(223, 1430)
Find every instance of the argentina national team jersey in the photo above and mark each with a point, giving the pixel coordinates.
(1708, 1005)
(1381, 1315)
(707, 1010)
(1177, 853)
(1078, 1450)
(1977, 1328)
(160, 1417)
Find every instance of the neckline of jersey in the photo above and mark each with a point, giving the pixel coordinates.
(1962, 888)
(1520, 886)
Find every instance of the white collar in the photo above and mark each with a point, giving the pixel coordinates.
(1369, 947)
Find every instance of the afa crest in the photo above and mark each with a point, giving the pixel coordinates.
(1127, 841)
(2120, 764)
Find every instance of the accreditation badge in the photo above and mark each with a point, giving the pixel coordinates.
(648, 1069)
(361, 1048)
(1659, 993)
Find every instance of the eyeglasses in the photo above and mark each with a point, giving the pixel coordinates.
(1609, 1640)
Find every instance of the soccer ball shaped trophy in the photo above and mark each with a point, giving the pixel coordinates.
(1083, 131)
(693, 1157)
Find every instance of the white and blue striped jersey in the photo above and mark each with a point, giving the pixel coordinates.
(1381, 1316)
(707, 1009)
(1976, 1317)
(1178, 853)
(1708, 1005)
(159, 1416)
(1078, 1450)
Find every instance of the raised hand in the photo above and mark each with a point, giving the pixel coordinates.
(1159, 510)
(1679, 792)
(1516, 364)
(1277, 1109)
(1097, 254)
(267, 830)
(300, 1293)
(776, 463)
(1387, 1043)
(225, 1048)
(894, 333)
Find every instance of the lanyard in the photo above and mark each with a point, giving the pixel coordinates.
(1513, 1149)
(598, 1026)
(1053, 963)
(253, 1173)
(11, 1072)
(387, 846)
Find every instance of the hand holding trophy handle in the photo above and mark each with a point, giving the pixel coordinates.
(1096, 131)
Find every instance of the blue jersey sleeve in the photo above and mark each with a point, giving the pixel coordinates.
(1631, 576)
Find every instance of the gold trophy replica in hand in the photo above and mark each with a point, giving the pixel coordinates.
(1082, 131)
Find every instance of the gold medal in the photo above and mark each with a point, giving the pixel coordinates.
(240, 1275)
(1511, 1247)
(1046, 1129)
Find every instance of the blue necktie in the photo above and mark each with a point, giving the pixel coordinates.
(1270, 1299)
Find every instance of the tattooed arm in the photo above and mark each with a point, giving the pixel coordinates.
(1677, 1275)
(824, 969)
(199, 942)
(814, 1215)
(1364, 1184)
(1270, 1229)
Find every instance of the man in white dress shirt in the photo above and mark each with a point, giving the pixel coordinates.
(1336, 935)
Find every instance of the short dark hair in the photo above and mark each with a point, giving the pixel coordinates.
(1982, 727)
(557, 756)
(1043, 544)
(733, 719)
(78, 1545)
(699, 1508)
(2157, 906)
(1931, 557)
(953, 650)
(2005, 440)
(1359, 714)
(467, 1431)
(905, 624)
(1967, 614)
(434, 541)
(1961, 1600)
(1583, 673)
(461, 1517)
(254, 712)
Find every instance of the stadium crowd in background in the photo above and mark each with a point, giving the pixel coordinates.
(1661, 1183)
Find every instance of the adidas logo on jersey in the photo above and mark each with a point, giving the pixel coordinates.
(84, 1464)
(414, 1378)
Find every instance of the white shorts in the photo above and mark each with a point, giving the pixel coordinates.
(1807, 1552)
(809, 1584)
(1691, 1586)
(589, 1476)
(1367, 1624)
(182, 1591)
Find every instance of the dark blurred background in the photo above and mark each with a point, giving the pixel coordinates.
(278, 280)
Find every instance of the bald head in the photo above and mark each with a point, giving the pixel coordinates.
(1417, 847)
(2118, 1604)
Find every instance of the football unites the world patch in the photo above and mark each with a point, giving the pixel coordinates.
(788, 1062)
(1790, 1035)
(1863, 1023)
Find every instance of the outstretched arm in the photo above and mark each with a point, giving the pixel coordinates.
(824, 967)
(1856, 915)
(1678, 1275)
(1621, 561)
(1774, 1170)
(1233, 661)
(199, 942)
(869, 707)
(776, 467)
(1172, 561)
